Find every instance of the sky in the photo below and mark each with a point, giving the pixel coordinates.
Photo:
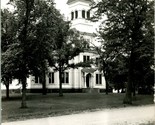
(60, 5)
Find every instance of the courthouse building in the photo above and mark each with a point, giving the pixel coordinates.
(79, 79)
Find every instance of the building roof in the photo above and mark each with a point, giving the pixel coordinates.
(69, 1)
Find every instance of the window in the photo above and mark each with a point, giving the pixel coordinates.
(98, 78)
(38, 79)
(72, 15)
(88, 14)
(86, 58)
(76, 14)
(65, 77)
(83, 13)
(51, 77)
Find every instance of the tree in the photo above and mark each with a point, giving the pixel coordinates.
(8, 37)
(127, 28)
(45, 17)
(37, 22)
(68, 44)
(118, 73)
(32, 42)
(104, 66)
(41, 36)
(22, 12)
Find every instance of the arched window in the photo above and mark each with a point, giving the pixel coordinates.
(88, 14)
(76, 14)
(83, 13)
(72, 15)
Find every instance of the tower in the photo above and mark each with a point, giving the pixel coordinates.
(79, 14)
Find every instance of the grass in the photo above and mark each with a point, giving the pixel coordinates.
(149, 123)
(40, 106)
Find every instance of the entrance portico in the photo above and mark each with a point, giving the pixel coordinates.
(88, 78)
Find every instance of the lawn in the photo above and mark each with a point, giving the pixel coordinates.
(40, 106)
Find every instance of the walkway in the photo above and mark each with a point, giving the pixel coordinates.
(121, 116)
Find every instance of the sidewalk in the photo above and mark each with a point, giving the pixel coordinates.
(121, 116)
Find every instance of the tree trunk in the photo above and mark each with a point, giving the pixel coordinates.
(7, 83)
(134, 90)
(23, 104)
(128, 96)
(7, 91)
(7, 88)
(107, 85)
(60, 83)
(44, 91)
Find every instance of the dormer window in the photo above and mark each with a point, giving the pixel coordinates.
(88, 14)
(72, 15)
(76, 14)
(83, 13)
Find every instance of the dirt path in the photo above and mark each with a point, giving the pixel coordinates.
(121, 116)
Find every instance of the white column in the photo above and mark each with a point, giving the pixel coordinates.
(73, 79)
(92, 81)
(85, 74)
(79, 14)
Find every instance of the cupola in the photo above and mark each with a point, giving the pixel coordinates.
(79, 13)
(79, 9)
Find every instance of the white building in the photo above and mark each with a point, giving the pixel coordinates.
(80, 79)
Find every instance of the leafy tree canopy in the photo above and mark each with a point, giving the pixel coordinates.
(127, 31)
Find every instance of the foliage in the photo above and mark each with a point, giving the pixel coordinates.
(127, 32)
(8, 31)
(43, 39)
(68, 44)
(30, 40)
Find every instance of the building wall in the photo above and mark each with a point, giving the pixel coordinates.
(76, 78)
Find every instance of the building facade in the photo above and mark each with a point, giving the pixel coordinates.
(79, 79)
